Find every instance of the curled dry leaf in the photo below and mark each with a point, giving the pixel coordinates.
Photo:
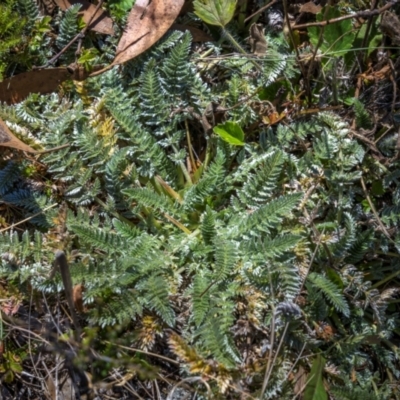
(77, 296)
(147, 23)
(101, 22)
(257, 40)
(7, 139)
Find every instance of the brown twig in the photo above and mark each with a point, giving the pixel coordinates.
(314, 54)
(61, 261)
(373, 209)
(261, 10)
(360, 14)
(290, 30)
(394, 83)
(29, 218)
(63, 146)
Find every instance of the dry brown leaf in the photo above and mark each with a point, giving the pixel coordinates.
(147, 23)
(7, 139)
(310, 7)
(376, 76)
(197, 34)
(19, 87)
(101, 22)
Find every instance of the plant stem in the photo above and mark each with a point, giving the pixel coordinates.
(238, 47)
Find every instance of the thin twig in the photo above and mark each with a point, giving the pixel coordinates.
(290, 30)
(311, 261)
(261, 10)
(13, 323)
(394, 83)
(28, 219)
(387, 278)
(57, 326)
(271, 348)
(170, 360)
(278, 350)
(61, 260)
(360, 14)
(192, 160)
(373, 209)
(125, 384)
(367, 32)
(314, 54)
(295, 363)
(157, 390)
(63, 146)
(191, 379)
(29, 338)
(80, 35)
(317, 234)
(177, 223)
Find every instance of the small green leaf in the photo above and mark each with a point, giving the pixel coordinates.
(215, 12)
(231, 132)
(315, 389)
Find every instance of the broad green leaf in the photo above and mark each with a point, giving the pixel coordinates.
(315, 389)
(231, 132)
(215, 12)
(337, 37)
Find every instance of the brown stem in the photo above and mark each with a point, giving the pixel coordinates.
(290, 30)
(63, 146)
(61, 261)
(360, 14)
(261, 10)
